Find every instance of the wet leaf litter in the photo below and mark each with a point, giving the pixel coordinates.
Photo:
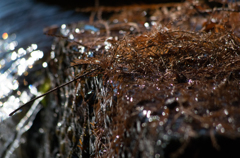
(154, 83)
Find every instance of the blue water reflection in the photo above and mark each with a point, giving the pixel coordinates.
(24, 50)
(23, 43)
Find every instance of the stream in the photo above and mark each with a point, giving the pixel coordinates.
(24, 52)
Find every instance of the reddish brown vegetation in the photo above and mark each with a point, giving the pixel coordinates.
(161, 84)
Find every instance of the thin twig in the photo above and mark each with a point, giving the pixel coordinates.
(56, 88)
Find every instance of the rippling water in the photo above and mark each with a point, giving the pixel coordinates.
(24, 52)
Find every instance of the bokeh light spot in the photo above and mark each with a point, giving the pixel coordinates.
(5, 35)
(44, 64)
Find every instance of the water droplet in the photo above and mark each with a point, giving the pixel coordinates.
(179, 45)
(115, 21)
(214, 20)
(131, 99)
(71, 36)
(225, 112)
(165, 137)
(144, 112)
(146, 24)
(161, 123)
(219, 126)
(44, 64)
(222, 130)
(230, 119)
(153, 23)
(207, 111)
(41, 130)
(148, 113)
(77, 30)
(159, 142)
(59, 124)
(52, 55)
(163, 113)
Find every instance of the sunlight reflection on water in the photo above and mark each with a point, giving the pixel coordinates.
(20, 61)
(24, 56)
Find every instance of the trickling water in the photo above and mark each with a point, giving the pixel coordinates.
(24, 55)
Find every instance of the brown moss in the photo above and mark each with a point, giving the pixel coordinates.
(177, 80)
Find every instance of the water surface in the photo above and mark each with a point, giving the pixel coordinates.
(24, 54)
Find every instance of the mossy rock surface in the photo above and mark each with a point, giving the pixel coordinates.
(166, 84)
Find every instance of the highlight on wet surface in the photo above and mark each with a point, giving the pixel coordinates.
(14, 64)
